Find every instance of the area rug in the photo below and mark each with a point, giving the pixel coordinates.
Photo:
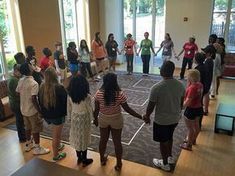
(137, 140)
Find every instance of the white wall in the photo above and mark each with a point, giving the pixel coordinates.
(199, 13)
(111, 21)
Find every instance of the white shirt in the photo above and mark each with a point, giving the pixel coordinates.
(27, 87)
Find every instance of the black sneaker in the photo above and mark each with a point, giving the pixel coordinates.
(87, 162)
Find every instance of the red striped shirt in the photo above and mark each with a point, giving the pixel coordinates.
(113, 108)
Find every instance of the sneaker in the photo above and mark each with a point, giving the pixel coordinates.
(61, 147)
(28, 146)
(40, 150)
(159, 163)
(59, 157)
(98, 77)
(86, 162)
(171, 160)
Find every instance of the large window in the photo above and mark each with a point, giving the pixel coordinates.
(7, 35)
(145, 16)
(11, 35)
(70, 20)
(223, 22)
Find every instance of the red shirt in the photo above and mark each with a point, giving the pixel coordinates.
(45, 63)
(194, 91)
(129, 44)
(115, 107)
(190, 49)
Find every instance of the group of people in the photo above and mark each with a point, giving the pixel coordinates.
(39, 94)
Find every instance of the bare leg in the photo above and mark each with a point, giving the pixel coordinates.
(206, 101)
(196, 128)
(104, 136)
(217, 86)
(56, 138)
(116, 135)
(36, 138)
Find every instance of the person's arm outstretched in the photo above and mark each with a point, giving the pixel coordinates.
(129, 110)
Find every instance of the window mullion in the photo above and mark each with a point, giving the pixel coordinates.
(134, 20)
(227, 24)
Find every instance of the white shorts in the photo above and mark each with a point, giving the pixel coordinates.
(63, 74)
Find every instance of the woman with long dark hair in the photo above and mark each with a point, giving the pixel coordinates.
(80, 112)
(53, 101)
(108, 102)
(167, 47)
(112, 50)
(98, 51)
(72, 54)
(85, 56)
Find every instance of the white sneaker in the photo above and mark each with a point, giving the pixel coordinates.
(159, 163)
(28, 146)
(98, 77)
(171, 160)
(40, 150)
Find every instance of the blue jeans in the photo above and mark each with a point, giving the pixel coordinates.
(146, 60)
(129, 60)
(19, 123)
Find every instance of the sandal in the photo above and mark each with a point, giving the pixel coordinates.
(61, 147)
(104, 160)
(59, 157)
(185, 146)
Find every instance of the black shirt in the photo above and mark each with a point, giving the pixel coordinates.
(36, 75)
(201, 68)
(72, 56)
(60, 110)
(111, 47)
(61, 61)
(209, 64)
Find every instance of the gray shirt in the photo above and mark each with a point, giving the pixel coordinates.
(167, 46)
(167, 94)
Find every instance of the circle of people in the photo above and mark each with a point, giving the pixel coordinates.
(39, 94)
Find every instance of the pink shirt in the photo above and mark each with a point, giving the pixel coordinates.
(190, 49)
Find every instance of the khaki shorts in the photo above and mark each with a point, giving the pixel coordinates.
(63, 74)
(33, 123)
(115, 121)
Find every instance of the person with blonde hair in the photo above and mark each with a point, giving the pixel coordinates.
(53, 103)
(193, 108)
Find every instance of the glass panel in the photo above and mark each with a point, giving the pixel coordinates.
(233, 6)
(218, 24)
(231, 34)
(128, 16)
(70, 21)
(221, 6)
(143, 19)
(7, 34)
(160, 22)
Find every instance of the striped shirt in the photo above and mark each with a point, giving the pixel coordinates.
(113, 108)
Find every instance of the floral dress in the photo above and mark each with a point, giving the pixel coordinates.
(81, 116)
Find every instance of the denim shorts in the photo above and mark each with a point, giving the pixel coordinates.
(55, 121)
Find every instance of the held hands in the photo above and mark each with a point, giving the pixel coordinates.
(95, 122)
(146, 119)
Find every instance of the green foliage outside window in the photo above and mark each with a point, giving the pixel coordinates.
(144, 7)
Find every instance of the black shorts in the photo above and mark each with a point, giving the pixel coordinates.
(192, 113)
(163, 133)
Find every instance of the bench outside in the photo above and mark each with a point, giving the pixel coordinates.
(224, 118)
